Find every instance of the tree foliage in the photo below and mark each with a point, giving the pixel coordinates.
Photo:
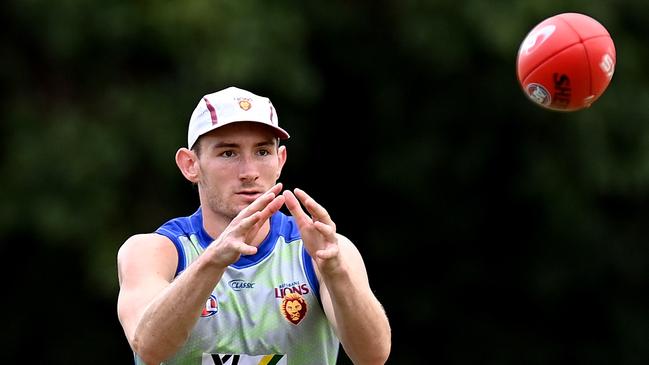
(494, 232)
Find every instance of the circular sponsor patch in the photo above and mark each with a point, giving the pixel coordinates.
(538, 94)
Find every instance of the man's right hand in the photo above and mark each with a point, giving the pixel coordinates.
(238, 238)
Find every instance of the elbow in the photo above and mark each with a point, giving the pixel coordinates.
(381, 355)
(145, 351)
(384, 353)
(377, 356)
(382, 350)
(153, 350)
(374, 359)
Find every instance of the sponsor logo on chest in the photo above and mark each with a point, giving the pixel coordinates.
(294, 287)
(238, 284)
(292, 304)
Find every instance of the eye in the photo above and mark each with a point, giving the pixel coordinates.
(228, 153)
(263, 152)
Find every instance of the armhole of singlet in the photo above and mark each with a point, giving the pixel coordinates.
(179, 249)
(181, 257)
(310, 274)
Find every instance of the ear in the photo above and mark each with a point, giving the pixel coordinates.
(187, 162)
(281, 155)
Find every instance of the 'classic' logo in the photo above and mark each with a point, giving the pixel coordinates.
(239, 284)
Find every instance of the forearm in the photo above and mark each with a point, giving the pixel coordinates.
(167, 322)
(362, 324)
(350, 305)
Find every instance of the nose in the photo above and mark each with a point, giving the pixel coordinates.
(248, 169)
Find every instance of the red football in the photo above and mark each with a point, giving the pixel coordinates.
(566, 62)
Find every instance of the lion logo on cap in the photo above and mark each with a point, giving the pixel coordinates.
(293, 307)
(245, 104)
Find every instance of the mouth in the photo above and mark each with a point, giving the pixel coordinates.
(249, 194)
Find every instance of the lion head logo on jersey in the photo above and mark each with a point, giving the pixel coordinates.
(293, 307)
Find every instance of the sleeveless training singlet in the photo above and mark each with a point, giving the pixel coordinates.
(266, 308)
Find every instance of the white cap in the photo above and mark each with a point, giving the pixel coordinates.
(228, 106)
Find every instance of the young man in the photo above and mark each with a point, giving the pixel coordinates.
(239, 282)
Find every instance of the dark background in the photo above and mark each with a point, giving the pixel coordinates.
(494, 232)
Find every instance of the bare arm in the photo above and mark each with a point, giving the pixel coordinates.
(358, 317)
(353, 310)
(158, 312)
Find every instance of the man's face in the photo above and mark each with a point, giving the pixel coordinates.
(238, 162)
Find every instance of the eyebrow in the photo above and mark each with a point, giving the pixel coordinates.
(234, 145)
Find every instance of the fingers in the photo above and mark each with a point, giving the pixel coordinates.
(270, 208)
(328, 231)
(276, 189)
(329, 234)
(316, 227)
(232, 242)
(317, 211)
(294, 207)
(273, 206)
(262, 202)
(247, 250)
(327, 253)
(264, 215)
(245, 224)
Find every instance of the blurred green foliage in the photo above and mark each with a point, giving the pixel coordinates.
(494, 232)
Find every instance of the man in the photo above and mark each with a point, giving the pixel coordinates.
(239, 282)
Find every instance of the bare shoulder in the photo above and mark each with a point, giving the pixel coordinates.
(145, 243)
(147, 252)
(146, 264)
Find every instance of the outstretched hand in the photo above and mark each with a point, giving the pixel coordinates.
(317, 229)
(237, 236)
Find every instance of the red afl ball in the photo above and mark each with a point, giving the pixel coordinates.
(566, 62)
